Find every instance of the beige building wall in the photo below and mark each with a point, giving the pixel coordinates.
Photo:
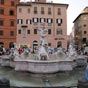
(52, 38)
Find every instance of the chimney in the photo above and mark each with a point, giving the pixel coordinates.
(44, 1)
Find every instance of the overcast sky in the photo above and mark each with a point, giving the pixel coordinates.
(74, 9)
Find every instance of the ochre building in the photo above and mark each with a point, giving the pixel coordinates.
(81, 28)
(8, 17)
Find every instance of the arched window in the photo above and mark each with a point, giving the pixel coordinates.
(1, 44)
(35, 43)
(59, 44)
(11, 45)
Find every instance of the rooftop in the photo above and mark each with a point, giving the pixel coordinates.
(30, 3)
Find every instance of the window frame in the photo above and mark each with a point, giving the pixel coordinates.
(11, 33)
(2, 2)
(59, 31)
(1, 22)
(1, 11)
(35, 31)
(19, 21)
(12, 3)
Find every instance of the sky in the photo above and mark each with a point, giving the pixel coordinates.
(74, 9)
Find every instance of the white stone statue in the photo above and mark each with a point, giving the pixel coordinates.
(72, 51)
(15, 46)
(42, 53)
(43, 35)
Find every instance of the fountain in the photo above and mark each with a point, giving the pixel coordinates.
(78, 60)
(72, 51)
(42, 62)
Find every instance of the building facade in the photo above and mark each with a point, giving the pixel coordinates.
(8, 16)
(31, 16)
(81, 28)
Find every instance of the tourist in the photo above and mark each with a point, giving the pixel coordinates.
(4, 50)
(20, 51)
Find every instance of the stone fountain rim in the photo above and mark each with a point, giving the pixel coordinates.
(27, 60)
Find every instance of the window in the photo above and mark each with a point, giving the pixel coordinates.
(49, 11)
(1, 32)
(1, 22)
(1, 44)
(59, 31)
(28, 31)
(84, 40)
(28, 21)
(19, 31)
(28, 10)
(11, 12)
(42, 10)
(49, 31)
(11, 45)
(85, 32)
(49, 20)
(59, 11)
(1, 11)
(49, 44)
(35, 43)
(12, 3)
(59, 21)
(35, 10)
(59, 44)
(11, 33)
(35, 31)
(20, 10)
(42, 20)
(2, 2)
(24, 32)
(19, 21)
(12, 23)
(84, 25)
(35, 20)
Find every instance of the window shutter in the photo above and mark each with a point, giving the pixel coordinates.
(44, 19)
(51, 20)
(37, 20)
(47, 20)
(33, 19)
(30, 21)
(61, 20)
(40, 20)
(21, 21)
(56, 20)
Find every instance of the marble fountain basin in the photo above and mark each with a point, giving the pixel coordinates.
(39, 66)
